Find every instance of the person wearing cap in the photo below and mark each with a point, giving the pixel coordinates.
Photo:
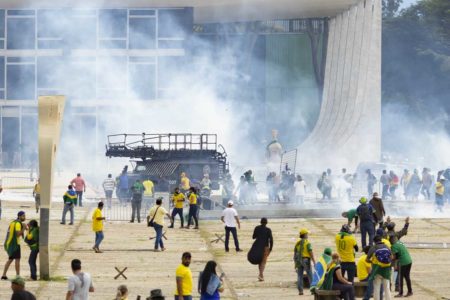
(303, 255)
(12, 243)
(32, 239)
(390, 226)
(178, 204)
(346, 246)
(97, 226)
(79, 284)
(351, 215)
(109, 185)
(263, 244)
(230, 218)
(156, 294)
(70, 200)
(365, 213)
(19, 292)
(80, 187)
(183, 275)
(156, 214)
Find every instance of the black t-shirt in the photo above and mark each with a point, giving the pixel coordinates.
(22, 295)
(335, 279)
(263, 236)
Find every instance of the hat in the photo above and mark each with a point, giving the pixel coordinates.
(18, 280)
(230, 203)
(363, 200)
(345, 228)
(304, 231)
(328, 251)
(20, 213)
(156, 294)
(380, 232)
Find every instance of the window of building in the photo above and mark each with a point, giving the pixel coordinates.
(82, 33)
(50, 72)
(174, 23)
(142, 81)
(112, 23)
(81, 79)
(20, 78)
(142, 33)
(50, 28)
(111, 77)
(21, 32)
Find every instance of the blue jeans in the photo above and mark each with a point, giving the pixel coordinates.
(177, 211)
(367, 228)
(184, 297)
(227, 237)
(158, 240)
(67, 208)
(32, 263)
(306, 267)
(80, 198)
(98, 238)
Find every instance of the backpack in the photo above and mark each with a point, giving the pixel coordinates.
(364, 213)
(383, 255)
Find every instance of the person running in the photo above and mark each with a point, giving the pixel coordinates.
(37, 195)
(149, 193)
(70, 200)
(230, 218)
(80, 187)
(32, 239)
(365, 213)
(183, 275)
(346, 246)
(209, 284)
(303, 255)
(156, 215)
(401, 254)
(97, 226)
(262, 245)
(136, 202)
(351, 215)
(109, 185)
(12, 243)
(380, 257)
(193, 207)
(19, 292)
(79, 284)
(178, 203)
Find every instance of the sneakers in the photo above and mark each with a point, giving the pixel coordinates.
(398, 296)
(239, 250)
(62, 223)
(4, 278)
(409, 294)
(300, 292)
(70, 223)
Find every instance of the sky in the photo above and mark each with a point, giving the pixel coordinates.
(407, 3)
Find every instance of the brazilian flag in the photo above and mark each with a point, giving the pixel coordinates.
(11, 244)
(320, 270)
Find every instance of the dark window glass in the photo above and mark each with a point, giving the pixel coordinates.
(20, 81)
(113, 44)
(174, 22)
(20, 12)
(113, 23)
(2, 72)
(49, 23)
(142, 33)
(2, 94)
(2, 23)
(50, 72)
(2, 44)
(21, 33)
(83, 32)
(142, 81)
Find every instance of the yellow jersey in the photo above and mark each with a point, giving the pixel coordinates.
(148, 185)
(185, 183)
(345, 244)
(192, 198)
(97, 225)
(440, 188)
(185, 274)
(307, 248)
(178, 200)
(361, 268)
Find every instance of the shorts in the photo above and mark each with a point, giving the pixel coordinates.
(108, 194)
(16, 254)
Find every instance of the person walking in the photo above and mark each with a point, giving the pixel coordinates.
(393, 184)
(427, 182)
(156, 215)
(109, 185)
(19, 292)
(377, 204)
(193, 207)
(371, 181)
(178, 203)
(70, 200)
(79, 284)
(183, 275)
(97, 226)
(209, 284)
(37, 195)
(149, 193)
(380, 256)
(367, 221)
(14, 234)
(303, 256)
(230, 218)
(80, 188)
(401, 254)
(262, 246)
(384, 180)
(32, 239)
(136, 201)
(346, 246)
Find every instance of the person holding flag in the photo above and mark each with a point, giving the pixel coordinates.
(12, 243)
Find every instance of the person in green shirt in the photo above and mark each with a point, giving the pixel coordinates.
(32, 239)
(351, 215)
(401, 253)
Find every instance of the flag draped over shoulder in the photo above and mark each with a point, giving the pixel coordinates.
(11, 244)
(320, 270)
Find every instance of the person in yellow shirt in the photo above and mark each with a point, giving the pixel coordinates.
(97, 227)
(346, 246)
(303, 256)
(184, 183)
(184, 278)
(148, 193)
(12, 243)
(178, 203)
(363, 267)
(440, 191)
(156, 215)
(193, 207)
(37, 194)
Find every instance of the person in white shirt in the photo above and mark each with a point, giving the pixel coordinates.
(230, 218)
(300, 189)
(80, 283)
(108, 186)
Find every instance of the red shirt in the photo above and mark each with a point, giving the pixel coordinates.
(79, 184)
